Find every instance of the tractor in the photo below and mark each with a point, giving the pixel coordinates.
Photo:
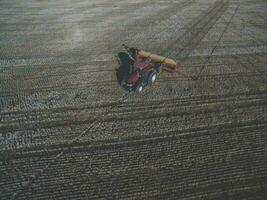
(139, 68)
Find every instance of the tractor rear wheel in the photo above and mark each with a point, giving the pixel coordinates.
(152, 76)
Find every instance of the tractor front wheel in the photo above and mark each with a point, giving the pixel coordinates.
(139, 88)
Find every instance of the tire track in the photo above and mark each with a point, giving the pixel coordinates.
(63, 115)
(195, 31)
(136, 142)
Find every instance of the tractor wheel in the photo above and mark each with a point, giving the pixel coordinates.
(139, 88)
(152, 76)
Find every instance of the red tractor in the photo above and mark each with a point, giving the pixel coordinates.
(139, 68)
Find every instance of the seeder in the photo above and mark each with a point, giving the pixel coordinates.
(143, 68)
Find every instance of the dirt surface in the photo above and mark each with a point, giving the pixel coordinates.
(69, 131)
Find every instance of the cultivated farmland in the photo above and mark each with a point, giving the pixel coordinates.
(68, 130)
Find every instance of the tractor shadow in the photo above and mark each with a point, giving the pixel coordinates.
(123, 72)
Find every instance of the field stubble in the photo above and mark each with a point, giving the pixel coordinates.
(68, 130)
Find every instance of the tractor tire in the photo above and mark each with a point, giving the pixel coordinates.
(139, 88)
(152, 76)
